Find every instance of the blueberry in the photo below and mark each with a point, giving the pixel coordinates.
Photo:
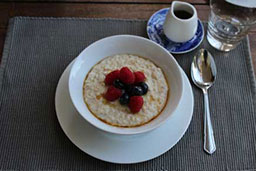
(128, 88)
(123, 91)
(144, 87)
(124, 99)
(136, 91)
(118, 84)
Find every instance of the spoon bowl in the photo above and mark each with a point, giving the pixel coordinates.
(203, 69)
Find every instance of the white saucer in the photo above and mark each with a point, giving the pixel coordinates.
(121, 149)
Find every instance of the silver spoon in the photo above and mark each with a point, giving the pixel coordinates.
(203, 73)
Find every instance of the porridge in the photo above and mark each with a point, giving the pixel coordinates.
(102, 98)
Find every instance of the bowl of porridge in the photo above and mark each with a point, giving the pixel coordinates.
(125, 84)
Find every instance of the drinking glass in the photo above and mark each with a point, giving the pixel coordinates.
(229, 22)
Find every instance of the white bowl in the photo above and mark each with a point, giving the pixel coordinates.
(123, 44)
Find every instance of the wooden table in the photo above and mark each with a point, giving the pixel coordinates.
(127, 9)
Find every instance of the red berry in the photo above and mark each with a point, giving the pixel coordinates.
(139, 76)
(135, 103)
(126, 76)
(111, 77)
(113, 93)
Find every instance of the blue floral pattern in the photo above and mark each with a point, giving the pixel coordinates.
(155, 33)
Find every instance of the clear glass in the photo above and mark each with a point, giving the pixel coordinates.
(228, 24)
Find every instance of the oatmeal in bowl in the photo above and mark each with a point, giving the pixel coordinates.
(113, 111)
(125, 84)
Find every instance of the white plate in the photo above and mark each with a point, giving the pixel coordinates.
(120, 148)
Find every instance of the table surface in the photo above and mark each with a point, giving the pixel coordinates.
(126, 9)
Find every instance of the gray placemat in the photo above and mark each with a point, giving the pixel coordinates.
(36, 52)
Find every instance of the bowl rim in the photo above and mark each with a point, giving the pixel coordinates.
(118, 131)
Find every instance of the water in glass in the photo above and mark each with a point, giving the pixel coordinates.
(229, 23)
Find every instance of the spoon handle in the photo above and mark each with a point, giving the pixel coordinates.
(209, 143)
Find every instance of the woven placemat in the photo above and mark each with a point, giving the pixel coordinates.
(36, 52)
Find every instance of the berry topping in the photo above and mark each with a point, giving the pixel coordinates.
(136, 91)
(127, 86)
(113, 93)
(135, 104)
(139, 76)
(118, 84)
(126, 76)
(124, 99)
(111, 77)
(144, 87)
